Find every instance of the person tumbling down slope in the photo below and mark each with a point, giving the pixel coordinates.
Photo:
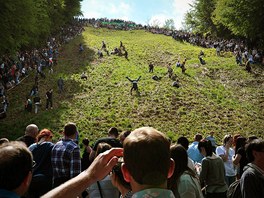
(134, 85)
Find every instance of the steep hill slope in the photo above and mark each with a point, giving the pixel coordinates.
(219, 96)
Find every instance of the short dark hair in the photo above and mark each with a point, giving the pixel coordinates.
(113, 131)
(70, 129)
(198, 137)
(15, 164)
(184, 142)
(147, 156)
(255, 145)
(86, 141)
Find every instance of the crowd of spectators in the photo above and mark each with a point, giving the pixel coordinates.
(149, 164)
(13, 69)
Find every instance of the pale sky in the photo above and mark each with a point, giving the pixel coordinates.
(138, 11)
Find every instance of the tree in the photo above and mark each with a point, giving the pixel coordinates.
(199, 18)
(244, 18)
(169, 24)
(17, 24)
(28, 23)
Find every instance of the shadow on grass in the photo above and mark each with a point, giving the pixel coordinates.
(71, 63)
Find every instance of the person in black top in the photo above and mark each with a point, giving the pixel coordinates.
(49, 99)
(151, 67)
(111, 140)
(134, 84)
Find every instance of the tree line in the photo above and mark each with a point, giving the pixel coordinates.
(228, 18)
(28, 23)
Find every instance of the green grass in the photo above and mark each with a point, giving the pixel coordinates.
(219, 96)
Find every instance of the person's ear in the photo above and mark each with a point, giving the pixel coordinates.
(125, 173)
(172, 167)
(27, 180)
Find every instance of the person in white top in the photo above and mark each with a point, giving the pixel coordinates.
(226, 152)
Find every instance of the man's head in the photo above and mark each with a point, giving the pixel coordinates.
(183, 141)
(198, 137)
(255, 151)
(15, 167)
(113, 132)
(147, 158)
(70, 129)
(32, 130)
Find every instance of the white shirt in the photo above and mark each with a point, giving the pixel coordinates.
(229, 166)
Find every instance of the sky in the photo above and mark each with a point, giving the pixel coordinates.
(139, 11)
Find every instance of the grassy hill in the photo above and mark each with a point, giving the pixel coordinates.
(219, 96)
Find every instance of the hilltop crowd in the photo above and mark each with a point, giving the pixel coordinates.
(134, 164)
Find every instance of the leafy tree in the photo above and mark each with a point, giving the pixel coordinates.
(244, 18)
(27, 23)
(17, 24)
(169, 24)
(199, 18)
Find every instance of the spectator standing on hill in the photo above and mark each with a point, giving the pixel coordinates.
(34, 90)
(111, 140)
(152, 158)
(151, 68)
(31, 133)
(248, 67)
(37, 102)
(81, 47)
(49, 99)
(252, 180)
(148, 150)
(65, 156)
(5, 103)
(185, 143)
(211, 138)
(86, 153)
(16, 169)
(240, 158)
(60, 84)
(212, 175)
(193, 151)
(134, 85)
(41, 181)
(226, 152)
(104, 187)
(184, 182)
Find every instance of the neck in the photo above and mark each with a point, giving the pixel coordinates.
(137, 187)
(259, 164)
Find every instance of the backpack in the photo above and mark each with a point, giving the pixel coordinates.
(234, 190)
